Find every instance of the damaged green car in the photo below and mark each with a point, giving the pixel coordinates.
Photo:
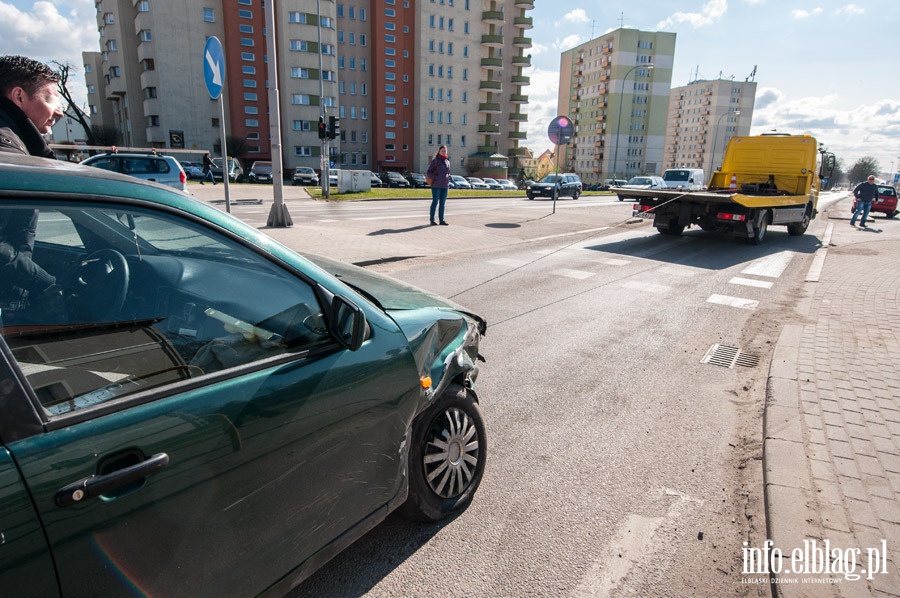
(191, 408)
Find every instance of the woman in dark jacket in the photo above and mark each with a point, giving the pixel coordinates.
(439, 173)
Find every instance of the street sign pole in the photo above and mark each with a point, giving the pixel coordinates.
(560, 131)
(214, 76)
(278, 215)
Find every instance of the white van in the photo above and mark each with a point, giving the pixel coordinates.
(685, 179)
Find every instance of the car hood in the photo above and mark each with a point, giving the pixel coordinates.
(388, 293)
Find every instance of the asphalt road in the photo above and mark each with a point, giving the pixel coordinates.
(624, 446)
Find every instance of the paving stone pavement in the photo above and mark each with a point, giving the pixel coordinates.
(832, 422)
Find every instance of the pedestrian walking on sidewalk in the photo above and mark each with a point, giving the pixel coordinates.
(207, 169)
(864, 194)
(439, 173)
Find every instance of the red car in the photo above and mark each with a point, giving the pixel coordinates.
(885, 202)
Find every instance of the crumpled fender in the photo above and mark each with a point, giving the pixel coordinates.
(444, 345)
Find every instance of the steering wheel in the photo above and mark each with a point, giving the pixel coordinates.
(100, 284)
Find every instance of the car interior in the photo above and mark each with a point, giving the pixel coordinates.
(148, 299)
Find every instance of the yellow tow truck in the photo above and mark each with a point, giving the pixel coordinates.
(764, 180)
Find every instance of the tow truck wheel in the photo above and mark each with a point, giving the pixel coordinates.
(674, 228)
(797, 230)
(760, 232)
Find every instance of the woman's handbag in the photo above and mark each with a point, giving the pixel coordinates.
(428, 180)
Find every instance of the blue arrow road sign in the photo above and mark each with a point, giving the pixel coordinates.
(214, 67)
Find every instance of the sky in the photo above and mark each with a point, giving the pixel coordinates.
(828, 69)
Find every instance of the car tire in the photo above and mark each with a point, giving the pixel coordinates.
(760, 231)
(621, 198)
(446, 457)
(529, 196)
(797, 229)
(576, 194)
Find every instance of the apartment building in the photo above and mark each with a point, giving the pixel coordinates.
(403, 77)
(703, 116)
(615, 89)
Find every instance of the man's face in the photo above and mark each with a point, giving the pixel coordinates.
(43, 107)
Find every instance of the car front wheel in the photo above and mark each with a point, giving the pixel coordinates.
(446, 457)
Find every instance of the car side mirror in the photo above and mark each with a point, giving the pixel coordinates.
(348, 323)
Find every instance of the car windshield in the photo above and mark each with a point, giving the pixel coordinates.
(677, 175)
(888, 191)
(551, 178)
(639, 180)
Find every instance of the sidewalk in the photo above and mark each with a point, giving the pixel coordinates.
(832, 419)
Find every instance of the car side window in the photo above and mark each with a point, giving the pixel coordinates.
(143, 299)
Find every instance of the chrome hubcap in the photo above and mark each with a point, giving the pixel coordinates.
(451, 453)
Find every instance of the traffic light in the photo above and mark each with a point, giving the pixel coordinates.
(323, 130)
(334, 126)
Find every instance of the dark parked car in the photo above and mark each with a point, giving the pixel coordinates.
(417, 180)
(170, 430)
(555, 185)
(260, 172)
(394, 179)
(235, 170)
(161, 169)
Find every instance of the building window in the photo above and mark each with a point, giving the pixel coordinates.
(302, 151)
(109, 18)
(112, 45)
(247, 42)
(148, 64)
(245, 14)
(150, 93)
(248, 70)
(297, 17)
(248, 56)
(143, 6)
(245, 28)
(250, 83)
(299, 73)
(145, 35)
(251, 122)
(251, 110)
(299, 99)
(209, 15)
(299, 45)
(153, 120)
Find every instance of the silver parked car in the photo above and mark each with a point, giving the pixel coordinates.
(158, 168)
(641, 182)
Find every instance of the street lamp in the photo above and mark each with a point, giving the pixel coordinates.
(712, 159)
(615, 165)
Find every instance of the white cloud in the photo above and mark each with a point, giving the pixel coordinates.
(543, 98)
(850, 9)
(710, 13)
(569, 42)
(577, 16)
(800, 13)
(864, 130)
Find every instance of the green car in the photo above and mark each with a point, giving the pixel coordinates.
(192, 409)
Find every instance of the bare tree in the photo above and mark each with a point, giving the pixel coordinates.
(72, 110)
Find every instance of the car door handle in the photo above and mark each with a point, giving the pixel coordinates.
(95, 485)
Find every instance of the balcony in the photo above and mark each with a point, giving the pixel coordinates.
(518, 98)
(520, 80)
(492, 41)
(493, 17)
(522, 42)
(492, 64)
(515, 152)
(526, 4)
(489, 129)
(518, 117)
(489, 108)
(521, 60)
(494, 86)
(487, 149)
(518, 135)
(523, 22)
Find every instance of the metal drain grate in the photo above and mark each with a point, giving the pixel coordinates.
(728, 357)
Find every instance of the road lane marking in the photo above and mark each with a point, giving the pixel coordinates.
(509, 263)
(733, 301)
(771, 266)
(749, 282)
(648, 287)
(615, 262)
(579, 274)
